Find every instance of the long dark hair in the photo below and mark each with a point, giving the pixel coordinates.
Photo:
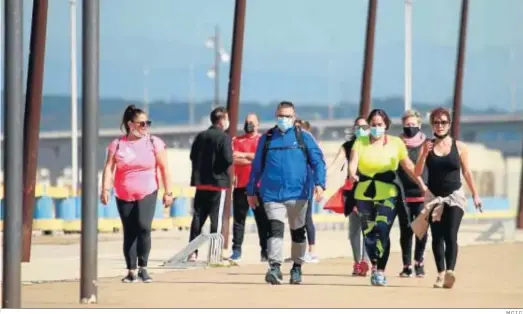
(128, 115)
(358, 118)
(382, 114)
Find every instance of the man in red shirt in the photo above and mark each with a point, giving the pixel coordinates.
(244, 149)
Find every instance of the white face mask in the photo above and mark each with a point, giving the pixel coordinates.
(137, 133)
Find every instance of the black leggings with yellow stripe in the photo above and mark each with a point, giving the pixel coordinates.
(377, 218)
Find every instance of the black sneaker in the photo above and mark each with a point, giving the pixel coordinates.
(274, 275)
(295, 276)
(144, 276)
(406, 272)
(130, 278)
(419, 269)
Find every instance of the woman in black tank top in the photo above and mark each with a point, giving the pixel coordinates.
(445, 159)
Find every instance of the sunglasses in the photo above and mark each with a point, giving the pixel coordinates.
(144, 123)
(363, 127)
(442, 122)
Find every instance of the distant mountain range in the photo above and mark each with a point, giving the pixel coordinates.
(56, 111)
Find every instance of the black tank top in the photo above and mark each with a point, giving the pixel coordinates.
(347, 147)
(444, 172)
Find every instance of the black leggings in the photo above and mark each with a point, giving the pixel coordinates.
(406, 235)
(309, 225)
(445, 237)
(137, 218)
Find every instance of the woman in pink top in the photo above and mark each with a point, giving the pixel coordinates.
(134, 160)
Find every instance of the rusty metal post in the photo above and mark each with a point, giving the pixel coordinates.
(13, 159)
(366, 80)
(460, 64)
(33, 109)
(217, 63)
(520, 211)
(233, 97)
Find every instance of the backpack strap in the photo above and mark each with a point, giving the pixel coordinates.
(118, 144)
(299, 140)
(268, 138)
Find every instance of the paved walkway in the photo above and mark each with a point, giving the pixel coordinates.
(482, 282)
(58, 259)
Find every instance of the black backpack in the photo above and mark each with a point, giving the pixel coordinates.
(299, 140)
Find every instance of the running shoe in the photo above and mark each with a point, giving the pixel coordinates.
(295, 276)
(356, 269)
(274, 275)
(364, 268)
(419, 270)
(406, 272)
(449, 280)
(144, 276)
(378, 279)
(130, 278)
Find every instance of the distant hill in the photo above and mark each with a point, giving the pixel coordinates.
(56, 111)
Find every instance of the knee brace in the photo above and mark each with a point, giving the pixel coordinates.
(298, 235)
(276, 229)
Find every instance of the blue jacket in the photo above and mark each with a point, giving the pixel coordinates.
(287, 175)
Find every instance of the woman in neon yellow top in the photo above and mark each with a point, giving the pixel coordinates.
(373, 164)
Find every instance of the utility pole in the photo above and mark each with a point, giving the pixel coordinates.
(33, 111)
(74, 100)
(366, 80)
(233, 97)
(408, 55)
(13, 162)
(460, 64)
(90, 129)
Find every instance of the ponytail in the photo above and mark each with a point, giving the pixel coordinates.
(128, 115)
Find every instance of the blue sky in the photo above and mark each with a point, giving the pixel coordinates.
(298, 50)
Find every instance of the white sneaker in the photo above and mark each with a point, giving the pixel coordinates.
(449, 280)
(311, 258)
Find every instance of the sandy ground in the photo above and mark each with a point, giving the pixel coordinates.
(487, 276)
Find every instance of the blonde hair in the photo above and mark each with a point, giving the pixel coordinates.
(411, 113)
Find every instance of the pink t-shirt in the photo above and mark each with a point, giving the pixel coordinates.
(136, 170)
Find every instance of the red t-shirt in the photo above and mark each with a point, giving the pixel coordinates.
(243, 144)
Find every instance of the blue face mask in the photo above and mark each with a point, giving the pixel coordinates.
(361, 132)
(284, 123)
(377, 131)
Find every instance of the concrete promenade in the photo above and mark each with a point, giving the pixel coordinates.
(50, 280)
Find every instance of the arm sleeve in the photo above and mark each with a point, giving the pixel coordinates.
(193, 148)
(316, 159)
(158, 144)
(256, 168)
(227, 150)
(111, 148)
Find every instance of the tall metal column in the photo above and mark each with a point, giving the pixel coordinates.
(217, 62)
(13, 158)
(519, 221)
(366, 80)
(33, 112)
(233, 96)
(460, 64)
(90, 104)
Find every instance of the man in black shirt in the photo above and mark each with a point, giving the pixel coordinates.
(211, 157)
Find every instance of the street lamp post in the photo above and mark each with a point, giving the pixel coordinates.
(408, 54)
(220, 55)
(74, 100)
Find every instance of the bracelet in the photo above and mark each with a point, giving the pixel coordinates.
(168, 194)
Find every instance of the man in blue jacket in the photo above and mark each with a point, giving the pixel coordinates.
(280, 172)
